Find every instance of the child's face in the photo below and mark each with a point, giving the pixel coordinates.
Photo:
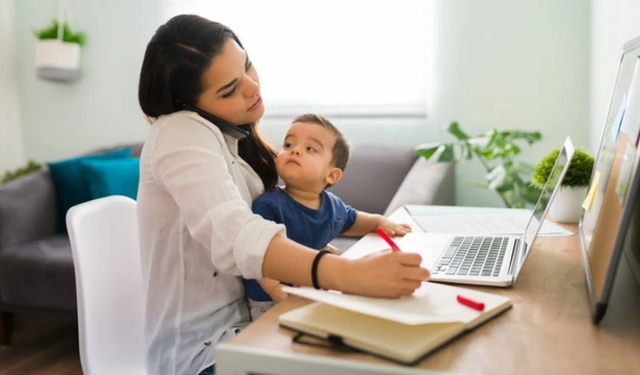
(305, 159)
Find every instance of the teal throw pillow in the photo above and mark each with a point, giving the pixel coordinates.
(71, 186)
(112, 177)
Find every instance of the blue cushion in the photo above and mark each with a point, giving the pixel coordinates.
(112, 177)
(71, 187)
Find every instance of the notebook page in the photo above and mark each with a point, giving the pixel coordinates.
(431, 303)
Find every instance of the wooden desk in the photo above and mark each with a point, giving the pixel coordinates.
(548, 330)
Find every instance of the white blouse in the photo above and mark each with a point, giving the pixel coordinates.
(197, 236)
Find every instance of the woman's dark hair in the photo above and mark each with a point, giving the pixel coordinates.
(172, 72)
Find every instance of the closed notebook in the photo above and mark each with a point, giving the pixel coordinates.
(402, 329)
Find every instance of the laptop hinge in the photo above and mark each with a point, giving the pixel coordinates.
(514, 255)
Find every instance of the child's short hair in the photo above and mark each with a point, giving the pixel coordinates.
(342, 147)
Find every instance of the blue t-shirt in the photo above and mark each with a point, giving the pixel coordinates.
(306, 226)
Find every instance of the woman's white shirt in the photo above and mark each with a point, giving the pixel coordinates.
(197, 236)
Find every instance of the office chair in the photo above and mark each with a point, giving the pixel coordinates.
(109, 287)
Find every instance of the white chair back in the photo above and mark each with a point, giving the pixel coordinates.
(109, 286)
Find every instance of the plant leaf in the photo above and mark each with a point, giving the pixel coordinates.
(454, 128)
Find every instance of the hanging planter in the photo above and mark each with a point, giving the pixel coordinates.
(58, 48)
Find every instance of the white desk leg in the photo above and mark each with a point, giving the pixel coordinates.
(243, 360)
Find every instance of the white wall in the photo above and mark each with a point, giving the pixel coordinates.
(615, 22)
(499, 63)
(101, 109)
(512, 65)
(11, 151)
(521, 65)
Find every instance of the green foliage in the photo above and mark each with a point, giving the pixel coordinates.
(578, 175)
(29, 168)
(496, 151)
(51, 32)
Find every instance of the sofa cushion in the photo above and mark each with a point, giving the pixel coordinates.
(39, 274)
(71, 187)
(112, 177)
(372, 177)
(27, 209)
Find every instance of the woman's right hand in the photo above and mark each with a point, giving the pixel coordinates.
(388, 273)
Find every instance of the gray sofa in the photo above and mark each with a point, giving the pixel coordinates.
(36, 265)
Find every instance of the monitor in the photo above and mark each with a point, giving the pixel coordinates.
(615, 179)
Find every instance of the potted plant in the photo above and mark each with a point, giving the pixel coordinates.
(58, 52)
(567, 205)
(33, 166)
(496, 151)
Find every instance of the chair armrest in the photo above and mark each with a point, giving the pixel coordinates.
(428, 183)
(27, 209)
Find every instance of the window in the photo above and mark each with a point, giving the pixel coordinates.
(345, 58)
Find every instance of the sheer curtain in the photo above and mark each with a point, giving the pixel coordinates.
(11, 149)
(346, 58)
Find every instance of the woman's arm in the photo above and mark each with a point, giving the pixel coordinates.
(384, 274)
(273, 288)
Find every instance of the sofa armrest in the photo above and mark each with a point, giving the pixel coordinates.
(27, 209)
(429, 183)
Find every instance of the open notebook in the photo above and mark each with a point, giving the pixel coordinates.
(402, 329)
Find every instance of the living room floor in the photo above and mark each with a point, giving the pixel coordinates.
(41, 345)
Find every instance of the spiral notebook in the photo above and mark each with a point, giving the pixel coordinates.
(403, 330)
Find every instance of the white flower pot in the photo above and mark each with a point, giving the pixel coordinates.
(57, 60)
(567, 205)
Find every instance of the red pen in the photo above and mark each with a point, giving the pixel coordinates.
(387, 238)
(471, 303)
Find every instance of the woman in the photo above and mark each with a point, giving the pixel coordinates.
(198, 234)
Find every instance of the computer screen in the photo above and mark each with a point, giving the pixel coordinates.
(613, 187)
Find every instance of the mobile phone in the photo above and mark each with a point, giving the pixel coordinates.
(224, 126)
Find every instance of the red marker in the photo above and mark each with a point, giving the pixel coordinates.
(387, 238)
(471, 303)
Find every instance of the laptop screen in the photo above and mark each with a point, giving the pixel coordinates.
(549, 190)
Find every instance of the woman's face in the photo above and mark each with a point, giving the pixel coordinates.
(232, 87)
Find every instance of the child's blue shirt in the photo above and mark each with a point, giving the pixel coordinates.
(306, 226)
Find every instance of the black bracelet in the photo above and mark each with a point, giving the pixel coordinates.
(314, 268)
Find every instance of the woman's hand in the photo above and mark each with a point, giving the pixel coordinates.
(393, 229)
(388, 273)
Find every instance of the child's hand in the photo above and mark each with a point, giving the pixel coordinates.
(393, 229)
(277, 294)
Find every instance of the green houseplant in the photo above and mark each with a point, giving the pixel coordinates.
(31, 167)
(496, 151)
(51, 32)
(58, 52)
(567, 206)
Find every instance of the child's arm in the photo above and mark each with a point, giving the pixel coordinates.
(273, 288)
(366, 223)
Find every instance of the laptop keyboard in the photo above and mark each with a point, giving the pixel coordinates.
(472, 256)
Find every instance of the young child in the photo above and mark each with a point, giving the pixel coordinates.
(313, 157)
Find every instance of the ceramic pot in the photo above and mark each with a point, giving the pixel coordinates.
(57, 60)
(567, 205)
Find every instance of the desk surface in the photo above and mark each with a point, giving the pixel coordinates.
(548, 330)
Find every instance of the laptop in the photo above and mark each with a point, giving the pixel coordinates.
(485, 259)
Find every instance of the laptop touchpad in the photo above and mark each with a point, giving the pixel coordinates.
(428, 245)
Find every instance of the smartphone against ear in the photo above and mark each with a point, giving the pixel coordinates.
(224, 126)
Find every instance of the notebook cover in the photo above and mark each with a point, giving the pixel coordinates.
(349, 319)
